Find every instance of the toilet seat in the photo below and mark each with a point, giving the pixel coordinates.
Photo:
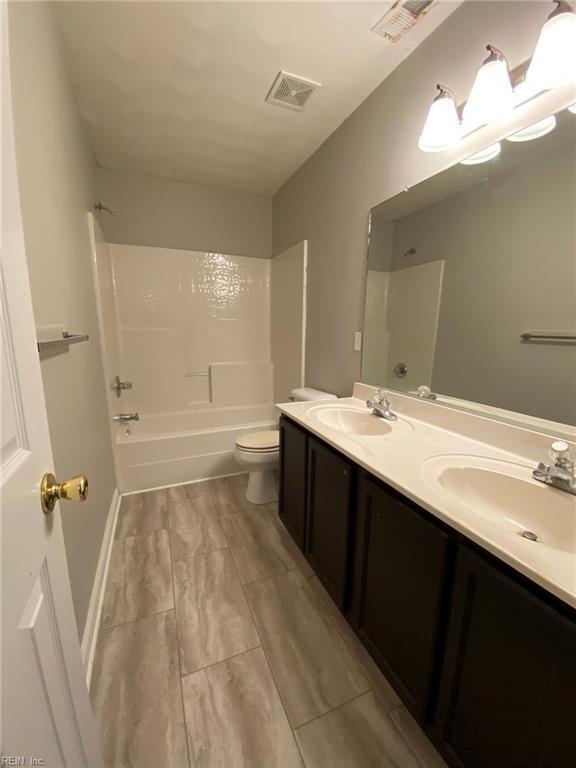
(267, 441)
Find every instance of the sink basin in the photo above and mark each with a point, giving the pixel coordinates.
(351, 420)
(505, 494)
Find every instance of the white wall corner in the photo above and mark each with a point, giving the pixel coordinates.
(92, 626)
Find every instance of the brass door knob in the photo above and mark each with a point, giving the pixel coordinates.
(75, 489)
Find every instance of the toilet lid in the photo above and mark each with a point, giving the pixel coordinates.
(259, 441)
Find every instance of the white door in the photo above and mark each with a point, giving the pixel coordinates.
(46, 716)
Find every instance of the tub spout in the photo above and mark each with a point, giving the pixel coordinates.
(126, 417)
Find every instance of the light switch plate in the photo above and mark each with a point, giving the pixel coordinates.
(357, 341)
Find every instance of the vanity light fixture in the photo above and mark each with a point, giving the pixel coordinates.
(442, 127)
(534, 131)
(486, 154)
(554, 61)
(491, 97)
(496, 91)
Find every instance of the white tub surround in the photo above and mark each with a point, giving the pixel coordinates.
(193, 328)
(191, 332)
(404, 454)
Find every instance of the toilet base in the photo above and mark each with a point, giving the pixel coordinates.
(262, 487)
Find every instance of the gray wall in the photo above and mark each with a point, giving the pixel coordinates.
(373, 156)
(55, 173)
(176, 214)
(509, 248)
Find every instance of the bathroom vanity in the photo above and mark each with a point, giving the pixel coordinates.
(472, 624)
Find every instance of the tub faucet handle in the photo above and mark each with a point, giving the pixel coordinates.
(121, 417)
(119, 386)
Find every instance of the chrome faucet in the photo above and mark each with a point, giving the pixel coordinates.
(425, 393)
(560, 474)
(380, 406)
(126, 417)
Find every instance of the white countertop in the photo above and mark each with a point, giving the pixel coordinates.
(427, 430)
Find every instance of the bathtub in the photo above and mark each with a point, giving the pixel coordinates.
(170, 448)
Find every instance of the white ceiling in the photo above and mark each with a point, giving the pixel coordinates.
(177, 89)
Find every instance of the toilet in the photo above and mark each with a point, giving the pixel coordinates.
(258, 453)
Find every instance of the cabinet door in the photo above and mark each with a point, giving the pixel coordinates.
(292, 490)
(508, 697)
(403, 566)
(328, 543)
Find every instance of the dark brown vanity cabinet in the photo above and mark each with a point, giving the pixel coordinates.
(402, 574)
(484, 658)
(508, 691)
(329, 512)
(293, 472)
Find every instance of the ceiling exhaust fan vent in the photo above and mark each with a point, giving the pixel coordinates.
(291, 91)
(401, 18)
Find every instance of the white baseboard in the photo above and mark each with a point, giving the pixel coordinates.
(90, 636)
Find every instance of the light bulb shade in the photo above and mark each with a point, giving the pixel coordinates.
(486, 154)
(442, 127)
(554, 61)
(534, 131)
(491, 97)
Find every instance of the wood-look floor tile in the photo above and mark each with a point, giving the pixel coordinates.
(416, 739)
(195, 490)
(237, 485)
(214, 620)
(358, 734)
(194, 522)
(387, 695)
(222, 497)
(235, 719)
(142, 513)
(260, 545)
(312, 665)
(136, 695)
(139, 578)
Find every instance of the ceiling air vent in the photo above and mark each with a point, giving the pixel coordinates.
(291, 91)
(401, 18)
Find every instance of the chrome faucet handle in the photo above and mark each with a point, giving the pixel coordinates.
(379, 397)
(118, 386)
(425, 393)
(562, 455)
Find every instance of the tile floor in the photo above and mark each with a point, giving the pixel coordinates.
(219, 648)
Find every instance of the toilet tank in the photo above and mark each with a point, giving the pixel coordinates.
(308, 393)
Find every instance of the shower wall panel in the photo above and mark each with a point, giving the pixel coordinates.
(181, 312)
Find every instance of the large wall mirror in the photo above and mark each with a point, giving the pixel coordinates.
(471, 281)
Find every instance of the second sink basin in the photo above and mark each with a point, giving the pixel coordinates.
(505, 494)
(351, 420)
